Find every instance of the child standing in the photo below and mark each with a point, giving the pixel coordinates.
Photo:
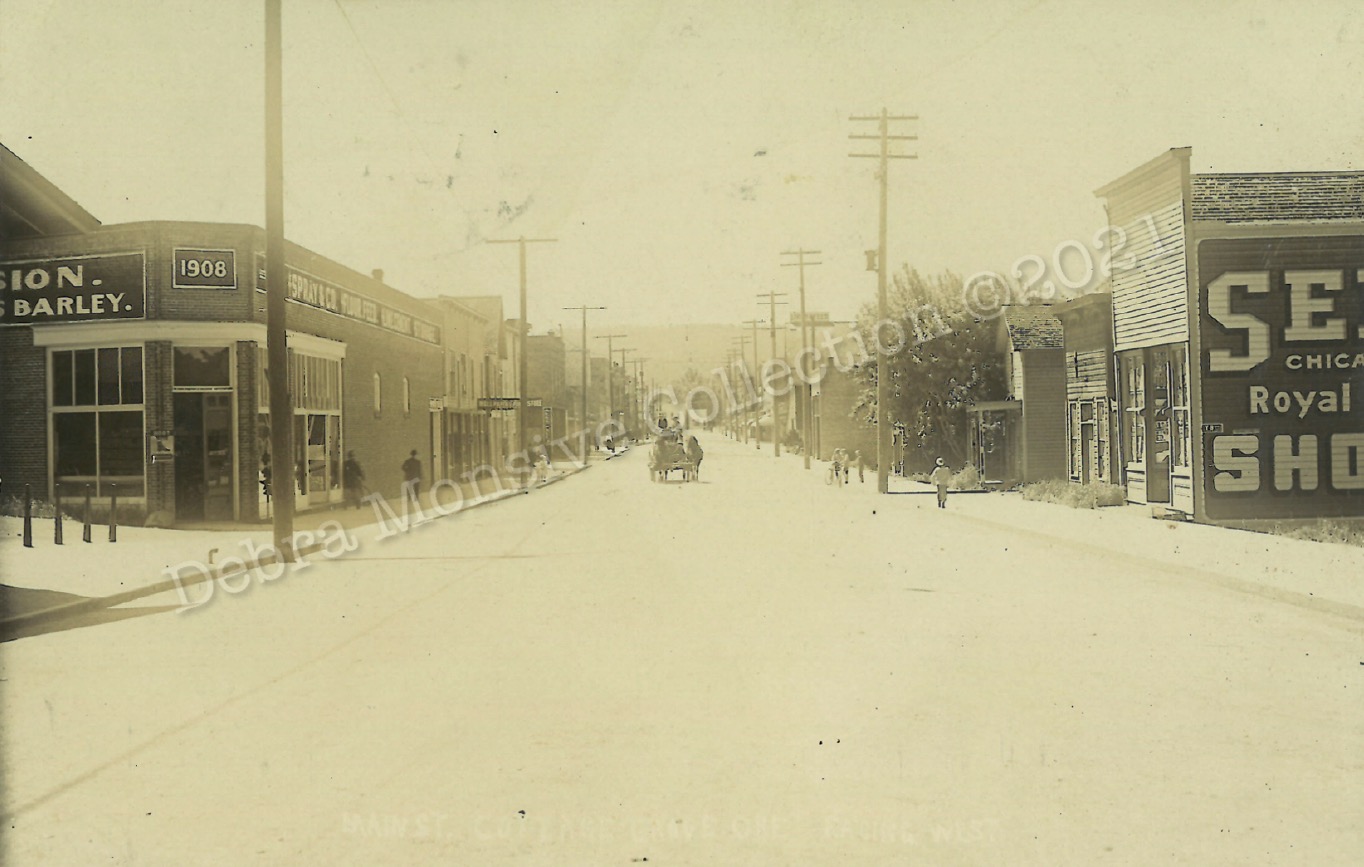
(941, 477)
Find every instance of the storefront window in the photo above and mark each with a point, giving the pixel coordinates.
(1102, 424)
(1181, 441)
(97, 421)
(203, 367)
(1077, 455)
(1134, 409)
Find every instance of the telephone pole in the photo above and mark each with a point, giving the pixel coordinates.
(628, 409)
(521, 368)
(282, 475)
(757, 413)
(742, 341)
(772, 303)
(883, 441)
(807, 388)
(610, 374)
(583, 423)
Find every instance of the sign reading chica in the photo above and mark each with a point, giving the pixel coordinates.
(1281, 323)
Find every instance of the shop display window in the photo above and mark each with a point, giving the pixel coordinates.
(203, 367)
(1181, 440)
(97, 421)
(1134, 408)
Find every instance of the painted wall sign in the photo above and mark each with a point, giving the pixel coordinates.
(313, 291)
(1281, 322)
(73, 289)
(203, 269)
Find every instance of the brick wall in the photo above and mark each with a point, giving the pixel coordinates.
(381, 440)
(23, 408)
(158, 375)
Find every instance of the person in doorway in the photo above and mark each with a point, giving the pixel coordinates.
(265, 475)
(941, 477)
(353, 480)
(412, 473)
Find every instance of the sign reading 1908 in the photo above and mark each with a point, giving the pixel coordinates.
(73, 289)
(204, 269)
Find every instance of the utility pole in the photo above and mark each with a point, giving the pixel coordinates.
(584, 308)
(758, 412)
(729, 394)
(807, 388)
(640, 420)
(522, 398)
(742, 341)
(772, 303)
(883, 441)
(610, 374)
(282, 475)
(624, 387)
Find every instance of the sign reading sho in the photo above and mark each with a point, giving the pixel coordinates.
(1281, 322)
(73, 289)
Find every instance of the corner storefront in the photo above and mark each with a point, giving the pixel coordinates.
(135, 365)
(1238, 315)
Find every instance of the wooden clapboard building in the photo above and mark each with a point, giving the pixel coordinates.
(1023, 439)
(1091, 413)
(1238, 333)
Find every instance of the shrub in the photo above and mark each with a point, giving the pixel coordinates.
(14, 508)
(966, 480)
(1335, 532)
(1088, 496)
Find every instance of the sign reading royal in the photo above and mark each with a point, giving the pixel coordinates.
(73, 289)
(304, 288)
(1281, 321)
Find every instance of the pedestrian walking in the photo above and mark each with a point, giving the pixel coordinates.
(941, 477)
(412, 473)
(353, 480)
(861, 466)
(542, 466)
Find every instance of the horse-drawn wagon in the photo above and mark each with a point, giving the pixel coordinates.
(670, 455)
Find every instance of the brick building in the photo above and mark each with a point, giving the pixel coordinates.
(136, 358)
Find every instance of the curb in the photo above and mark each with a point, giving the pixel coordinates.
(57, 613)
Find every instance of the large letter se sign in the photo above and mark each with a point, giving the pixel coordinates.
(1281, 321)
(73, 289)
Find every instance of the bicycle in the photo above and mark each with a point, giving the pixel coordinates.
(834, 475)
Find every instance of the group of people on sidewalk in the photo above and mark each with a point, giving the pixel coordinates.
(353, 475)
(940, 478)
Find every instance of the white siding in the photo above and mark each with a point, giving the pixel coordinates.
(1150, 295)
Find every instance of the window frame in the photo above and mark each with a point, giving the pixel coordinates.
(96, 410)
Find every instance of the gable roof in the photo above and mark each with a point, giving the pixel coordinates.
(1035, 327)
(1277, 196)
(31, 206)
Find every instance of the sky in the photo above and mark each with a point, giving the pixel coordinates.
(673, 150)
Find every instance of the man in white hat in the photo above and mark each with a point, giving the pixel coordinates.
(940, 477)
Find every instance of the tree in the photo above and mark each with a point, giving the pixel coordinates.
(947, 362)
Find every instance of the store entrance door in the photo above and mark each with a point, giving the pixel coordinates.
(1158, 453)
(203, 457)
